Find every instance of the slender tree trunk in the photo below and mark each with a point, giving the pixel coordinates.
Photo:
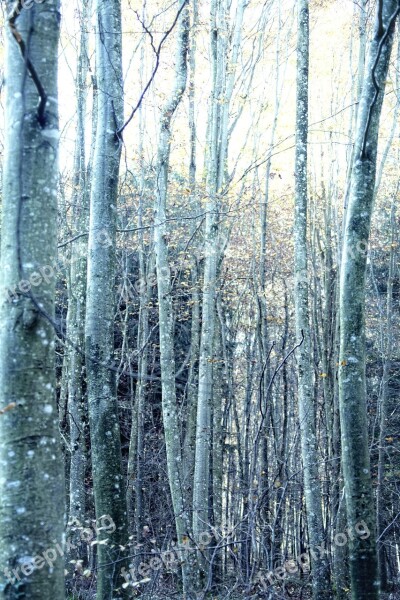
(192, 385)
(166, 319)
(108, 481)
(262, 301)
(312, 489)
(352, 384)
(32, 499)
(203, 427)
(195, 275)
(135, 501)
(387, 367)
(77, 295)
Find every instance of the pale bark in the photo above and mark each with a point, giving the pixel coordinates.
(223, 80)
(77, 294)
(309, 450)
(195, 276)
(192, 385)
(108, 481)
(134, 495)
(215, 169)
(165, 309)
(32, 499)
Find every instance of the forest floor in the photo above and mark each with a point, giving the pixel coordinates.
(299, 590)
(262, 595)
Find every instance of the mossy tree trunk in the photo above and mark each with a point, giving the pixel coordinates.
(352, 384)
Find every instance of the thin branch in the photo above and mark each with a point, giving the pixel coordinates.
(16, 11)
(157, 52)
(384, 37)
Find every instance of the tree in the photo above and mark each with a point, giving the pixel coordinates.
(215, 173)
(108, 480)
(309, 450)
(32, 479)
(352, 377)
(166, 318)
(77, 293)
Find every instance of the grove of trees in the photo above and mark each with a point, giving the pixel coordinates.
(199, 299)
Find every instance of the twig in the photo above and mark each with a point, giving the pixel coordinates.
(7, 408)
(157, 52)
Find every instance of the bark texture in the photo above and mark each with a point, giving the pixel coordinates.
(352, 385)
(108, 481)
(309, 449)
(77, 294)
(31, 467)
(166, 317)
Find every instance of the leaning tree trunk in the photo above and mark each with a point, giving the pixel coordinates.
(312, 489)
(31, 472)
(352, 383)
(108, 481)
(165, 309)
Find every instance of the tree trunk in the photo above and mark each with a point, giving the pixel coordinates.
(387, 366)
(312, 489)
(77, 295)
(32, 499)
(352, 384)
(166, 320)
(108, 481)
(214, 174)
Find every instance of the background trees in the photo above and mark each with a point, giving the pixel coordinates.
(201, 370)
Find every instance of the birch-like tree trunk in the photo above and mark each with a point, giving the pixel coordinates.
(108, 481)
(214, 175)
(77, 293)
(192, 386)
(352, 384)
(165, 308)
(134, 493)
(309, 450)
(195, 273)
(31, 466)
